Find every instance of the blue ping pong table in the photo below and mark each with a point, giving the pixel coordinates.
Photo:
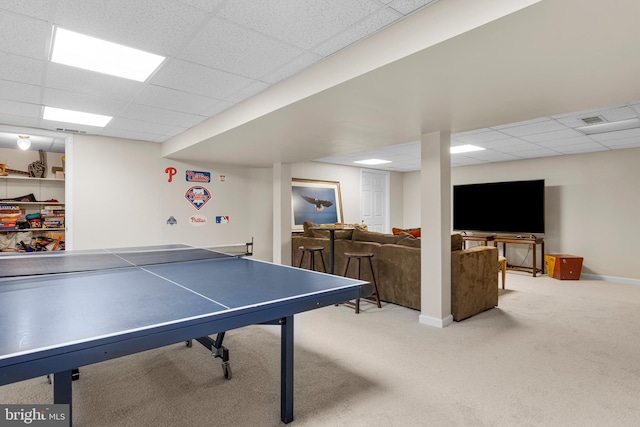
(64, 310)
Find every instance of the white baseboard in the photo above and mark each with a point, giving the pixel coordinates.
(611, 279)
(435, 322)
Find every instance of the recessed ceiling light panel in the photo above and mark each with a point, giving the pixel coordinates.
(89, 53)
(610, 127)
(78, 117)
(465, 149)
(372, 162)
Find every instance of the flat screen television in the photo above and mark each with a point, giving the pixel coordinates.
(499, 207)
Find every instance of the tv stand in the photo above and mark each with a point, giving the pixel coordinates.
(531, 240)
(475, 238)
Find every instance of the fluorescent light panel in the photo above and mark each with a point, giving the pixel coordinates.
(372, 162)
(610, 127)
(78, 50)
(465, 149)
(78, 117)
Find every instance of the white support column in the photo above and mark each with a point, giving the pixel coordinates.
(435, 222)
(282, 214)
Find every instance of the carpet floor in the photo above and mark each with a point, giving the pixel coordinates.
(553, 353)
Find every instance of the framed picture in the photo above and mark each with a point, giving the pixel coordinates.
(315, 201)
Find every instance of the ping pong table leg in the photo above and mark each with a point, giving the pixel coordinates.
(217, 350)
(286, 369)
(62, 390)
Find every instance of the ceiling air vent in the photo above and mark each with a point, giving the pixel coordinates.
(594, 120)
(71, 130)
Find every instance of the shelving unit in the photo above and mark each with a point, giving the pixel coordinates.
(46, 191)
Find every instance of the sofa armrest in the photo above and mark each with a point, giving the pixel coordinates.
(474, 281)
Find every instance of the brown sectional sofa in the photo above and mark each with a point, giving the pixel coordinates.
(396, 263)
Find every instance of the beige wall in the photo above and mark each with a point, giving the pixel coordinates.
(592, 204)
(121, 197)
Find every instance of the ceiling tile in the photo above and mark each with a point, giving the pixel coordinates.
(217, 108)
(538, 152)
(129, 134)
(120, 123)
(19, 108)
(32, 122)
(480, 137)
(551, 136)
(248, 91)
(576, 141)
(206, 5)
(73, 79)
(626, 142)
(581, 148)
(20, 92)
(149, 114)
(198, 79)
(533, 128)
(179, 101)
(80, 102)
(237, 50)
(407, 6)
(620, 113)
(610, 136)
(497, 144)
(156, 26)
(360, 30)
(34, 8)
(20, 69)
(516, 147)
(292, 67)
(305, 24)
(23, 35)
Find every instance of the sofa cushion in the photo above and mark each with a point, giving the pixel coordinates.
(456, 242)
(373, 236)
(415, 232)
(407, 239)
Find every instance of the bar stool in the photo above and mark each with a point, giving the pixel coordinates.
(374, 298)
(502, 265)
(312, 250)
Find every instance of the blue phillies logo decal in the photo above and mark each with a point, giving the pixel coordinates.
(198, 196)
(197, 176)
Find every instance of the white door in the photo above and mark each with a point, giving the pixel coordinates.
(375, 200)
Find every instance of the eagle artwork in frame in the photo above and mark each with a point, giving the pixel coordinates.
(315, 201)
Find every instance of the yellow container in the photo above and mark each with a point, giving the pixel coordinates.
(550, 261)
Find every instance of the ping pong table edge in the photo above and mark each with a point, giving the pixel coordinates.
(62, 360)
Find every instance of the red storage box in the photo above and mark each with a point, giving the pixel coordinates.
(564, 267)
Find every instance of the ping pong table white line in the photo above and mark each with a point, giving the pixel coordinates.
(131, 250)
(172, 322)
(185, 288)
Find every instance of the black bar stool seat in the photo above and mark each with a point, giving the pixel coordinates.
(312, 250)
(374, 298)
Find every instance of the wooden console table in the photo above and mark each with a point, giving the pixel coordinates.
(534, 241)
(471, 238)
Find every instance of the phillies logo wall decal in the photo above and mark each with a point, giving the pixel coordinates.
(198, 196)
(198, 176)
(171, 171)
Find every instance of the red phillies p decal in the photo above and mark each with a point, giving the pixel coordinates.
(171, 171)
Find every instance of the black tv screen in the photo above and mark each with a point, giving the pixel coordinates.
(499, 207)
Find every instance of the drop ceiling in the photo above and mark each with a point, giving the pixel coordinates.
(257, 83)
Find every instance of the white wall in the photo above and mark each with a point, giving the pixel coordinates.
(592, 204)
(122, 197)
(349, 178)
